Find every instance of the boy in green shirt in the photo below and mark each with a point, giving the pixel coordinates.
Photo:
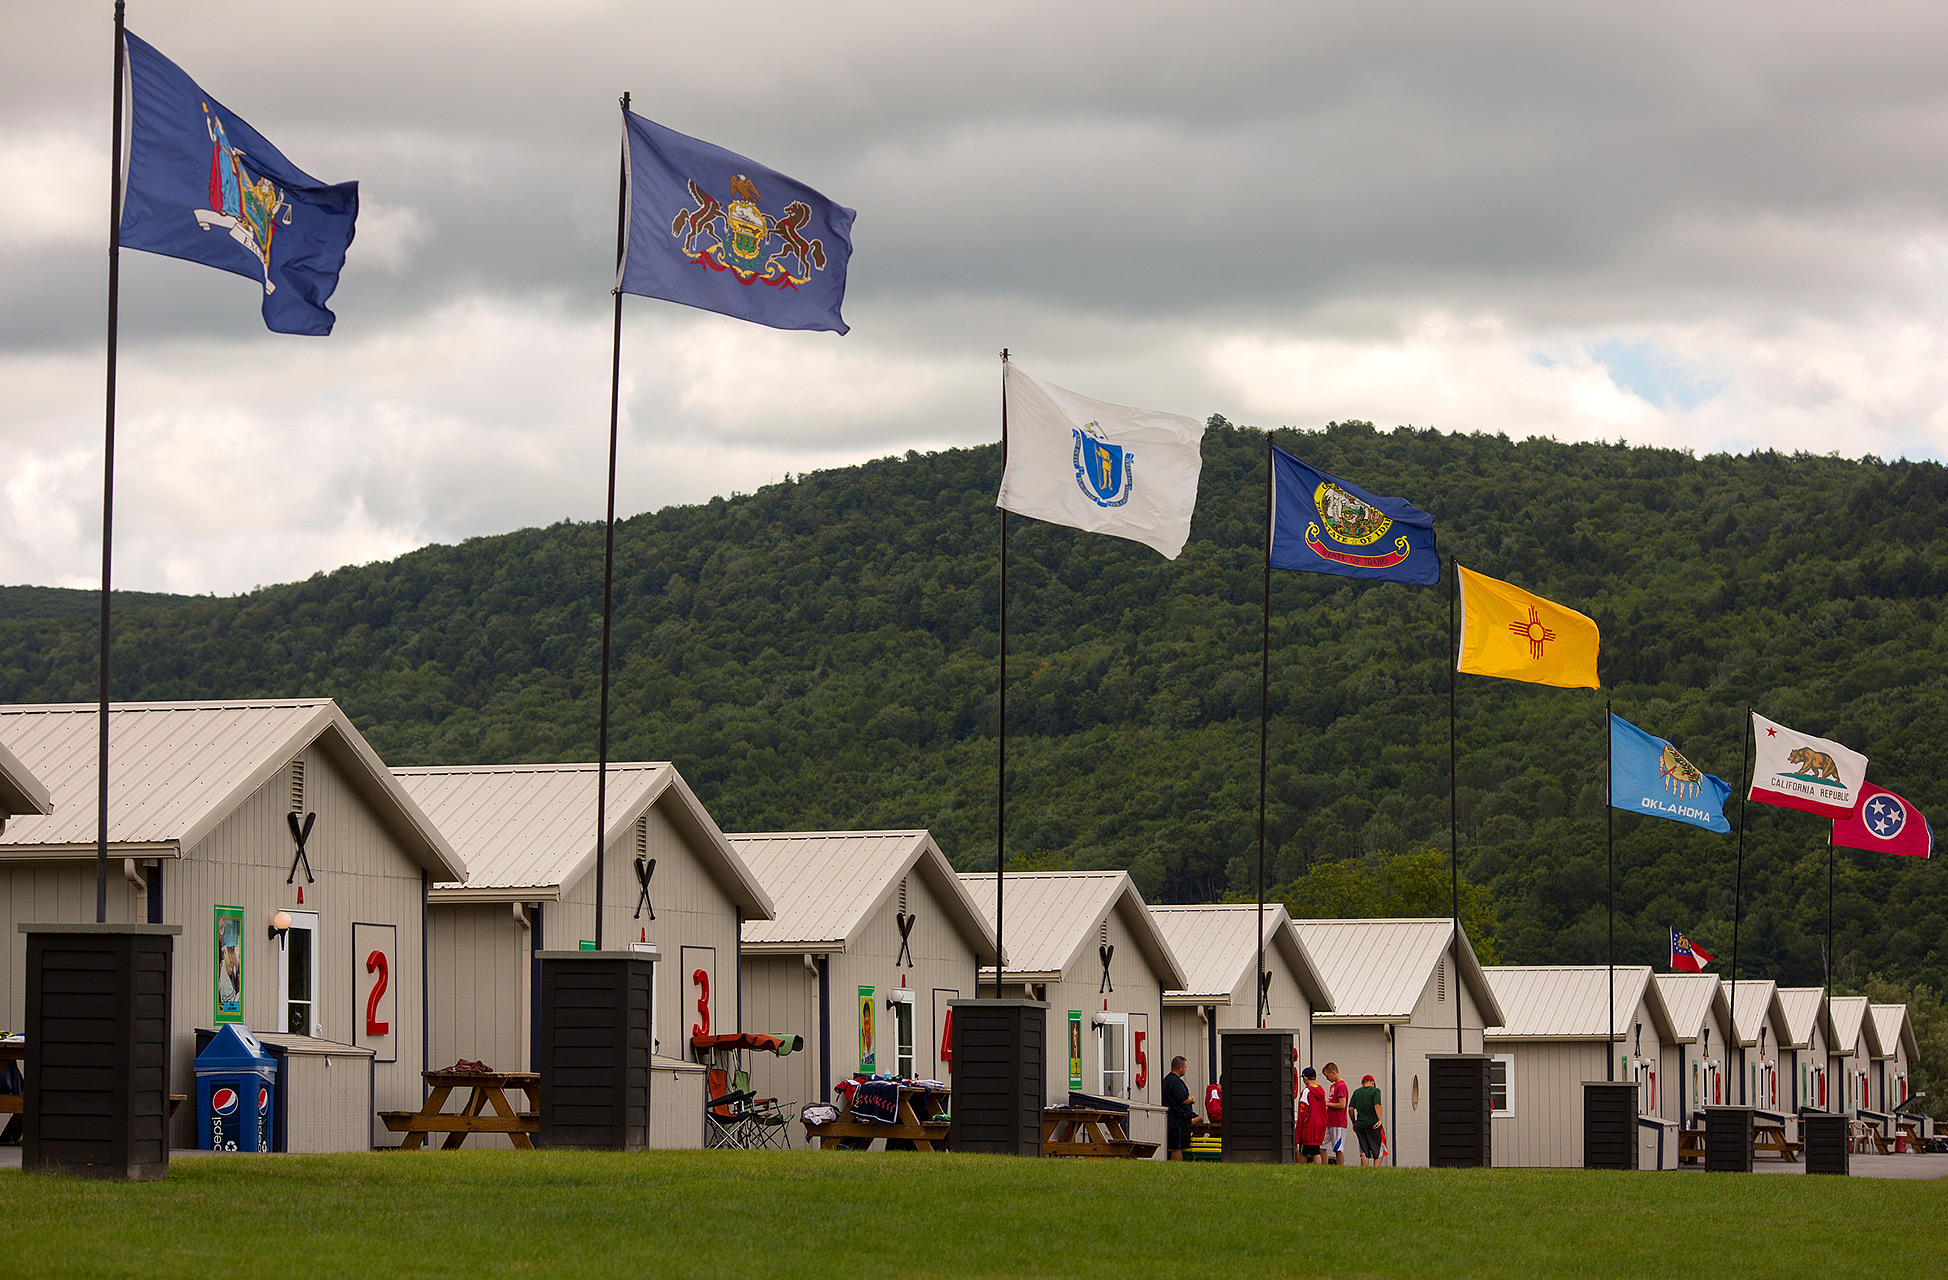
(1366, 1121)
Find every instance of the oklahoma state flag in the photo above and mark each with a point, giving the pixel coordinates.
(1513, 634)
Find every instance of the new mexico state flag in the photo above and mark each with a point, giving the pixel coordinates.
(1508, 632)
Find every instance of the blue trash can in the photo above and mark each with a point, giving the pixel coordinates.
(235, 1080)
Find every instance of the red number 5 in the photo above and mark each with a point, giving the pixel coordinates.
(702, 979)
(1142, 1061)
(374, 1027)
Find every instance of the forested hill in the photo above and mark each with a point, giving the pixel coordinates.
(821, 654)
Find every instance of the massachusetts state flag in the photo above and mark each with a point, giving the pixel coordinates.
(204, 186)
(1687, 955)
(1098, 466)
(1887, 823)
(1322, 524)
(711, 229)
(1798, 771)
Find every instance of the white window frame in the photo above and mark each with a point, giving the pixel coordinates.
(902, 998)
(1105, 1021)
(1507, 1061)
(308, 921)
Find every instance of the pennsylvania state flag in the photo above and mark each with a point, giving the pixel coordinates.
(1648, 776)
(1517, 635)
(711, 229)
(1321, 524)
(204, 186)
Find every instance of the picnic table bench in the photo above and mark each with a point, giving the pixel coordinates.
(928, 1134)
(1769, 1134)
(489, 1091)
(1091, 1132)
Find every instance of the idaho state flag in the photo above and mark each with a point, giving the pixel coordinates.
(1885, 822)
(1516, 635)
(1686, 955)
(204, 186)
(1322, 524)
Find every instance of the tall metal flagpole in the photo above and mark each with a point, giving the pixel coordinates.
(108, 468)
(1001, 708)
(609, 546)
(1738, 896)
(1829, 935)
(1610, 841)
(1453, 805)
(1264, 725)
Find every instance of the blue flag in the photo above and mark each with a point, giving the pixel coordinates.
(205, 186)
(710, 229)
(1648, 776)
(1321, 524)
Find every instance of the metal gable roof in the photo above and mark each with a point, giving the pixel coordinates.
(1376, 969)
(1753, 1001)
(1572, 1002)
(1053, 915)
(1690, 998)
(177, 769)
(532, 826)
(1802, 1009)
(828, 884)
(1850, 1022)
(1892, 1029)
(1216, 945)
(20, 790)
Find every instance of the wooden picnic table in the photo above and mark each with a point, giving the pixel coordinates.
(925, 1135)
(489, 1091)
(14, 1105)
(1090, 1131)
(1769, 1134)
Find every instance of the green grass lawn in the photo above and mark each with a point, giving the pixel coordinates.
(732, 1214)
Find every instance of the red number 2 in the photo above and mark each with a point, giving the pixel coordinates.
(374, 1027)
(1142, 1061)
(702, 979)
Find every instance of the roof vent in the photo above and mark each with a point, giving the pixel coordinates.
(902, 895)
(297, 785)
(1440, 981)
(1104, 940)
(642, 836)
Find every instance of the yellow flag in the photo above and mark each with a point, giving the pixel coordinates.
(1508, 632)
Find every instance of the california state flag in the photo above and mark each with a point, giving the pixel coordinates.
(1798, 771)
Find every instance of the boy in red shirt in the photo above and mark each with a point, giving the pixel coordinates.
(1337, 1093)
(1312, 1120)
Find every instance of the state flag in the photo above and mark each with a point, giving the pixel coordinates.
(1648, 776)
(1517, 635)
(712, 229)
(1798, 771)
(204, 186)
(1885, 822)
(1100, 467)
(1686, 955)
(1322, 524)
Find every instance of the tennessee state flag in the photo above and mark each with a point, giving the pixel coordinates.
(1885, 822)
(1687, 955)
(1517, 635)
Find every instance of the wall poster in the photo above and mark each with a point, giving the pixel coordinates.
(1075, 1048)
(868, 1060)
(229, 964)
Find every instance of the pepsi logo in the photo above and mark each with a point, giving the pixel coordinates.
(223, 1101)
(263, 1099)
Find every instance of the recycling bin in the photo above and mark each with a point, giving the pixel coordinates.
(236, 1079)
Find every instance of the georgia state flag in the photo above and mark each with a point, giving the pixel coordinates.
(1885, 822)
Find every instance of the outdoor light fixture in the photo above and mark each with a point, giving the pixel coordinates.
(280, 926)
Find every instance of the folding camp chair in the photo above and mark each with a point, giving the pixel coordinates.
(735, 1117)
(765, 1119)
(724, 1116)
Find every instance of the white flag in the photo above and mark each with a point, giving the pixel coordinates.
(1799, 771)
(1099, 466)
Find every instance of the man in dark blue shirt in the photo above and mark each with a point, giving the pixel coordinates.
(1176, 1100)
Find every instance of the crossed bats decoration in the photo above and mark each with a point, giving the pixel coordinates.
(906, 923)
(644, 870)
(301, 834)
(1107, 950)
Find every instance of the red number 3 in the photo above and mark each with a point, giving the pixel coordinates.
(702, 979)
(374, 1027)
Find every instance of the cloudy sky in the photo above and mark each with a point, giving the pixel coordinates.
(1718, 226)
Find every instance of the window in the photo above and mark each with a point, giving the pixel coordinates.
(1113, 1058)
(901, 1003)
(1501, 1070)
(297, 965)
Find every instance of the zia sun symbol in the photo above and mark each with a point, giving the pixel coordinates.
(1533, 631)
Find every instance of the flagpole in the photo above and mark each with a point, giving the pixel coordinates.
(1001, 760)
(1453, 810)
(1829, 936)
(609, 535)
(1738, 898)
(1264, 724)
(1610, 873)
(108, 468)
